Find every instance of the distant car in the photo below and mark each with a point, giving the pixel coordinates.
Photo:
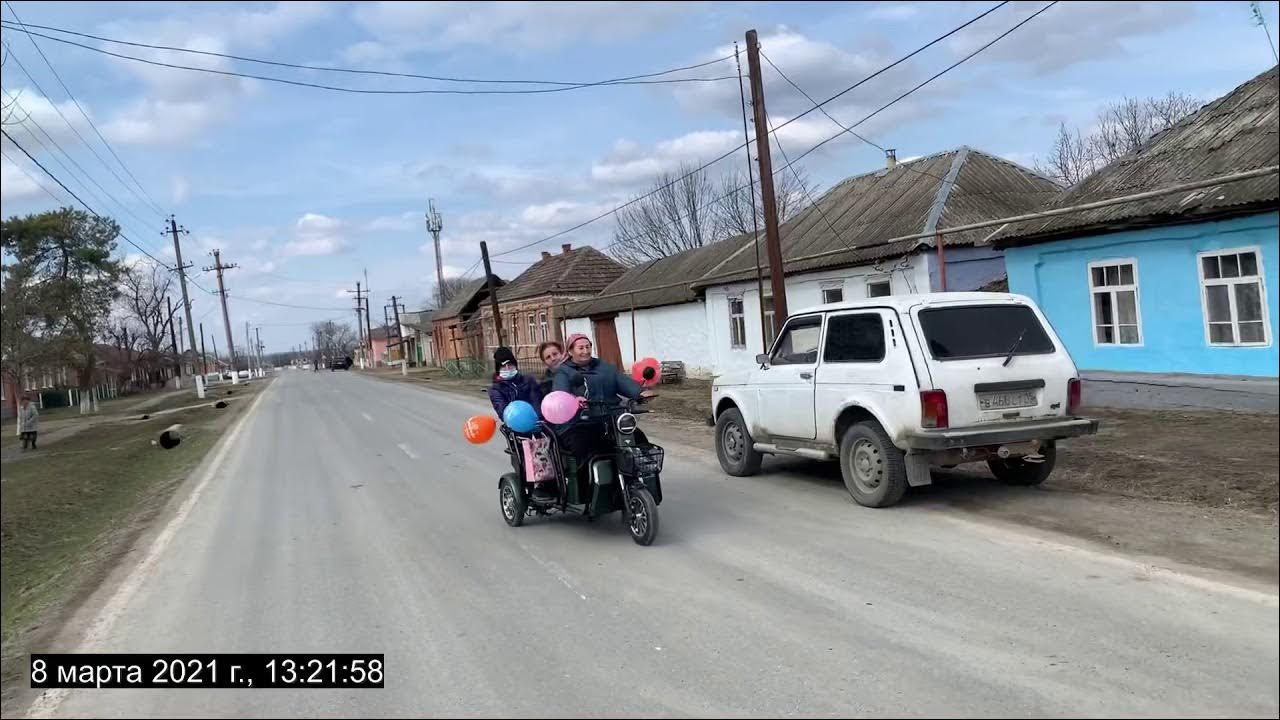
(341, 364)
(244, 374)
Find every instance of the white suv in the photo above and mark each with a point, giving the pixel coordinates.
(894, 385)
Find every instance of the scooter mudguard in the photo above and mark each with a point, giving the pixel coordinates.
(604, 487)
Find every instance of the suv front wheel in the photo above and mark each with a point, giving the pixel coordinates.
(734, 447)
(874, 469)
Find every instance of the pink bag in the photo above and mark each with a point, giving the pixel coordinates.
(537, 459)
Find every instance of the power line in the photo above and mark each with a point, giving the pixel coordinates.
(288, 305)
(359, 91)
(717, 159)
(572, 85)
(77, 197)
(89, 120)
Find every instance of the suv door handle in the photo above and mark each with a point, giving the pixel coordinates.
(806, 375)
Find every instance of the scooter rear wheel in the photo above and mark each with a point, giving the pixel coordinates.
(511, 500)
(644, 517)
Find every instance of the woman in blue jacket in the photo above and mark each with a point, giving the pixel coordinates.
(589, 378)
(509, 384)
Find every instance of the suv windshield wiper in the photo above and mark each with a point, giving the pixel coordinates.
(1016, 343)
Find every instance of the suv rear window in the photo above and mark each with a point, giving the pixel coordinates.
(978, 331)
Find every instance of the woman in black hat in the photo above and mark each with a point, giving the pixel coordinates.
(509, 384)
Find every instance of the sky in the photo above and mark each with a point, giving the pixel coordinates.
(306, 189)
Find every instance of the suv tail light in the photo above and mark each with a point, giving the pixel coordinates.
(933, 409)
(1073, 395)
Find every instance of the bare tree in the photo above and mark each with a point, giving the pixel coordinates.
(452, 286)
(147, 312)
(1122, 128)
(792, 192)
(333, 339)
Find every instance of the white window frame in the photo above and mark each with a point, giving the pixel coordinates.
(737, 320)
(877, 280)
(832, 288)
(533, 329)
(1115, 306)
(1261, 279)
(542, 323)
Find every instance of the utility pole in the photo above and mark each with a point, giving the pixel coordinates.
(493, 294)
(222, 291)
(248, 349)
(777, 280)
(258, 335)
(368, 298)
(204, 359)
(173, 338)
(214, 340)
(434, 225)
(404, 356)
(360, 299)
(182, 279)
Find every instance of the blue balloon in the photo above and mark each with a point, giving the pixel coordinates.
(520, 416)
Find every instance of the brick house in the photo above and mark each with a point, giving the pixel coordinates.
(532, 305)
(456, 331)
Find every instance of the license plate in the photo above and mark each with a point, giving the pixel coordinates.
(1005, 400)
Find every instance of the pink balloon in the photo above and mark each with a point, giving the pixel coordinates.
(559, 407)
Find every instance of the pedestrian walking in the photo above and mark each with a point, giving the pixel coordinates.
(28, 423)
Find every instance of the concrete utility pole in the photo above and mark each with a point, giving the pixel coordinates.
(404, 356)
(204, 359)
(248, 349)
(360, 330)
(493, 295)
(174, 229)
(257, 333)
(434, 225)
(173, 339)
(777, 280)
(368, 299)
(222, 291)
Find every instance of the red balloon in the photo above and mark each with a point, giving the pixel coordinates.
(647, 371)
(479, 429)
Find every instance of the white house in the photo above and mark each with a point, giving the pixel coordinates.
(872, 234)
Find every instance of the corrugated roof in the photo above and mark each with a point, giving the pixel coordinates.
(1235, 133)
(579, 271)
(664, 281)
(464, 298)
(932, 193)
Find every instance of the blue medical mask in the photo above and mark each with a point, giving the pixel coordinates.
(508, 374)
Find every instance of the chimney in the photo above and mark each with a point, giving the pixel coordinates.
(545, 254)
(566, 247)
(890, 158)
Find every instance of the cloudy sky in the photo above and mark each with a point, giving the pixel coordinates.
(305, 188)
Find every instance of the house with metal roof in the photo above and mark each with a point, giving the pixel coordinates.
(1173, 283)
(873, 234)
(456, 328)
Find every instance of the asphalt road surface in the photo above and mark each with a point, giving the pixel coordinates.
(348, 515)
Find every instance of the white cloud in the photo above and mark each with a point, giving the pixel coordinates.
(402, 222)
(33, 110)
(316, 234)
(627, 163)
(15, 184)
(181, 189)
(403, 27)
(893, 11)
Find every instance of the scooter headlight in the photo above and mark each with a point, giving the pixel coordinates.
(627, 423)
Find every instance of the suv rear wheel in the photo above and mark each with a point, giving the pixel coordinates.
(1017, 471)
(874, 469)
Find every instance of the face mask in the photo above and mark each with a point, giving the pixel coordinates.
(508, 374)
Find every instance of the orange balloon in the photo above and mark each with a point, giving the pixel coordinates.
(479, 429)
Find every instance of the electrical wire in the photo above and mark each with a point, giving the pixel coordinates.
(148, 200)
(358, 91)
(717, 159)
(33, 179)
(382, 73)
(77, 197)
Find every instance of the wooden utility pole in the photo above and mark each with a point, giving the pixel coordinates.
(493, 295)
(777, 279)
(182, 280)
(222, 292)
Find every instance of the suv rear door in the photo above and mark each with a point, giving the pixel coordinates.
(786, 386)
(865, 362)
(997, 362)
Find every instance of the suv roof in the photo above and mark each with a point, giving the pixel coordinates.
(903, 303)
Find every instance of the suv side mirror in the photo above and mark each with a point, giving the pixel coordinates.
(763, 359)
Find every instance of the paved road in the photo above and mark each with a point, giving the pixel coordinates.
(349, 516)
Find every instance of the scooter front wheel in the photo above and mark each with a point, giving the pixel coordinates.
(644, 516)
(511, 500)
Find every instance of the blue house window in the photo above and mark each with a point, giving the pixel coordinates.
(1113, 286)
(1235, 308)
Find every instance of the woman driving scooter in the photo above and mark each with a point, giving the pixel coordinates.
(590, 379)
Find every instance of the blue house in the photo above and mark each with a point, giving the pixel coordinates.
(1177, 283)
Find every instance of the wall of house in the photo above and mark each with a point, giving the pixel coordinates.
(906, 275)
(1171, 310)
(968, 268)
